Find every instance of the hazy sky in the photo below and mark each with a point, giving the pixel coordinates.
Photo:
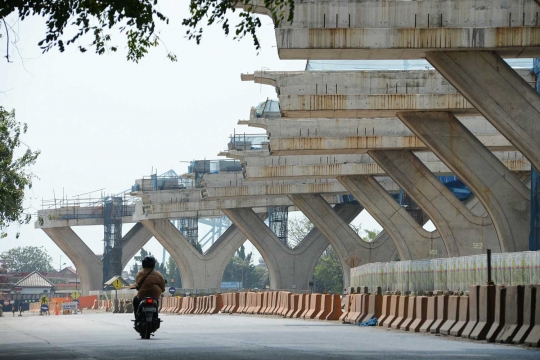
(102, 122)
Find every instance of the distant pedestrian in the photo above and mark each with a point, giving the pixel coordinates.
(13, 309)
(20, 309)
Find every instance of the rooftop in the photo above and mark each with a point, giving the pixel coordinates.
(34, 279)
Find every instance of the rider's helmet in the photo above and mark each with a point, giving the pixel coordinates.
(149, 262)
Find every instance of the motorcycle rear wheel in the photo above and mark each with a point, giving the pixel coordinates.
(145, 334)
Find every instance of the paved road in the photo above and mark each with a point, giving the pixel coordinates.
(110, 336)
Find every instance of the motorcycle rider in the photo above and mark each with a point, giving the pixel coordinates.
(149, 282)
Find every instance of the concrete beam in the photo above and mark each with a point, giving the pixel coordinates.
(368, 127)
(456, 224)
(359, 106)
(361, 144)
(354, 136)
(89, 266)
(360, 82)
(397, 29)
(499, 93)
(160, 208)
(412, 241)
(328, 167)
(503, 195)
(324, 186)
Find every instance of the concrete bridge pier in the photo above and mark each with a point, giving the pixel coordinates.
(288, 268)
(411, 239)
(351, 249)
(510, 103)
(456, 224)
(198, 271)
(89, 266)
(504, 196)
(133, 241)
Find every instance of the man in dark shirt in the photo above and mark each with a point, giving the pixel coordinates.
(149, 282)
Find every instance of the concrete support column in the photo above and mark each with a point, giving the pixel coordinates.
(504, 196)
(456, 224)
(277, 256)
(351, 249)
(315, 239)
(133, 241)
(186, 256)
(88, 265)
(410, 238)
(498, 92)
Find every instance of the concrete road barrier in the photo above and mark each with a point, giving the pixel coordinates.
(306, 306)
(302, 304)
(364, 306)
(442, 314)
(452, 315)
(474, 295)
(346, 308)
(513, 314)
(529, 310)
(326, 307)
(385, 312)
(421, 313)
(498, 313)
(295, 298)
(411, 314)
(533, 339)
(486, 301)
(314, 306)
(431, 314)
(353, 311)
(336, 312)
(403, 309)
(394, 308)
(463, 316)
(374, 307)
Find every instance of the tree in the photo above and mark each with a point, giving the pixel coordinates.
(174, 273)
(215, 11)
(328, 275)
(138, 259)
(298, 228)
(15, 174)
(241, 269)
(28, 259)
(136, 19)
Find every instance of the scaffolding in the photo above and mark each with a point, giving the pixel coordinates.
(248, 142)
(411, 207)
(278, 218)
(189, 227)
(112, 247)
(200, 167)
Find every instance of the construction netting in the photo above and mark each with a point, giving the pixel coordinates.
(455, 274)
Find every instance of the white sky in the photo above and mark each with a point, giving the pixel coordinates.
(102, 122)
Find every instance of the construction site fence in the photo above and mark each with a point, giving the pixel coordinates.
(454, 274)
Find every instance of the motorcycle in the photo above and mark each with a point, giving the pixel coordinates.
(147, 320)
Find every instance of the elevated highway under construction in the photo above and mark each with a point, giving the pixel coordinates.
(456, 144)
